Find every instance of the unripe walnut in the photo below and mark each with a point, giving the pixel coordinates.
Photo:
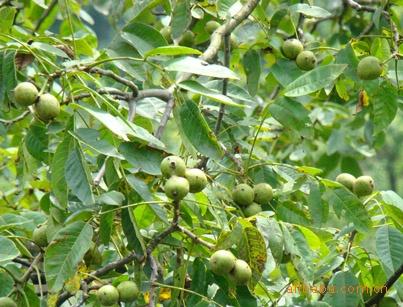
(291, 48)
(25, 94)
(47, 108)
(306, 60)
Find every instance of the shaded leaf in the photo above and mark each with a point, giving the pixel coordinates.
(181, 18)
(57, 177)
(36, 141)
(319, 210)
(310, 10)
(8, 250)
(199, 67)
(336, 297)
(196, 87)
(389, 248)
(292, 115)
(171, 50)
(314, 80)
(65, 252)
(194, 127)
(142, 37)
(251, 65)
(78, 176)
(143, 158)
(7, 14)
(342, 199)
(92, 138)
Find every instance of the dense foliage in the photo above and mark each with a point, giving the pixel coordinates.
(254, 109)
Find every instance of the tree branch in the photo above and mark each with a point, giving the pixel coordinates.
(153, 279)
(227, 28)
(173, 227)
(112, 75)
(388, 284)
(162, 94)
(102, 271)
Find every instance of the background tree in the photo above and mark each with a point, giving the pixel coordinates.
(188, 153)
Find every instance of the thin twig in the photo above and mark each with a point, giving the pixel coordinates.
(31, 268)
(195, 238)
(112, 75)
(173, 227)
(103, 91)
(165, 117)
(100, 175)
(224, 83)
(16, 119)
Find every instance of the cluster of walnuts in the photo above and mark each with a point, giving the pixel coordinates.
(361, 186)
(110, 295)
(369, 68)
(250, 198)
(46, 106)
(294, 50)
(224, 263)
(181, 180)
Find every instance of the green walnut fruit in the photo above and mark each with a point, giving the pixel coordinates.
(47, 108)
(291, 48)
(243, 194)
(166, 33)
(197, 179)
(176, 188)
(25, 94)
(108, 295)
(369, 68)
(252, 210)
(241, 273)
(187, 39)
(222, 262)
(263, 193)
(363, 186)
(347, 180)
(39, 236)
(7, 302)
(306, 60)
(211, 26)
(128, 291)
(173, 166)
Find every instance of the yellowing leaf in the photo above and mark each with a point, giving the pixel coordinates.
(52, 300)
(165, 294)
(72, 285)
